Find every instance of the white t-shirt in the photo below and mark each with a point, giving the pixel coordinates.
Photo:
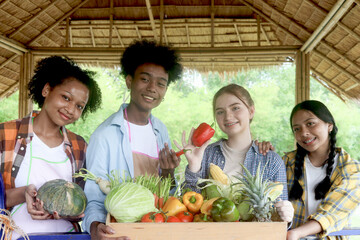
(314, 175)
(233, 158)
(41, 164)
(144, 148)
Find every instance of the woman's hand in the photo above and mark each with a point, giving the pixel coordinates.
(99, 230)
(34, 205)
(285, 210)
(193, 154)
(264, 146)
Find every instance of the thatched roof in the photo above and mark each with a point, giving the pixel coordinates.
(217, 35)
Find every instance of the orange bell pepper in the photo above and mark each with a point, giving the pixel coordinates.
(193, 201)
(173, 206)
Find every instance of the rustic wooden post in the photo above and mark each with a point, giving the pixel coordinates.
(302, 86)
(26, 69)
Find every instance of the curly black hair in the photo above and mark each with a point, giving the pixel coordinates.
(55, 70)
(323, 113)
(149, 51)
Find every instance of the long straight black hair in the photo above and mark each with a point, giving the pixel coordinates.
(323, 113)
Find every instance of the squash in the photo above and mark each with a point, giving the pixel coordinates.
(66, 198)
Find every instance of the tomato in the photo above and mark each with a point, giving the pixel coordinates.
(185, 216)
(153, 217)
(173, 219)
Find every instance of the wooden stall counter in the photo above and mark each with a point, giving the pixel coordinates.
(200, 230)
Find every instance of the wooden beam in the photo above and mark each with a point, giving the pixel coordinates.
(138, 32)
(9, 89)
(338, 10)
(26, 67)
(302, 81)
(165, 35)
(9, 60)
(258, 29)
(70, 36)
(161, 20)
(187, 34)
(238, 34)
(320, 78)
(265, 35)
(92, 37)
(28, 22)
(57, 22)
(12, 45)
(151, 17)
(206, 51)
(67, 34)
(119, 37)
(212, 22)
(111, 22)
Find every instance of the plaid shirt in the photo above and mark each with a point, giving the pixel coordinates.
(343, 197)
(16, 134)
(275, 168)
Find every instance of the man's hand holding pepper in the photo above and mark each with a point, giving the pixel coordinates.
(168, 161)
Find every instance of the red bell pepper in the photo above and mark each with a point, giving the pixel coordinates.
(202, 133)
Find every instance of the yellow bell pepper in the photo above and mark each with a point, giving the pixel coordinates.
(173, 206)
(193, 201)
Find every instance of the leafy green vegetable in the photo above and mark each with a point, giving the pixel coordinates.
(128, 202)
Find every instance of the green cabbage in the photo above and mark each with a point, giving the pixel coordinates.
(128, 202)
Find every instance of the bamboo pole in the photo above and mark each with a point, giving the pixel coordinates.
(165, 35)
(93, 38)
(265, 35)
(187, 35)
(351, 32)
(57, 22)
(111, 22)
(319, 76)
(7, 61)
(26, 64)
(238, 34)
(12, 45)
(67, 35)
(161, 20)
(3, 3)
(212, 22)
(9, 89)
(119, 37)
(337, 11)
(138, 32)
(258, 29)
(151, 17)
(302, 81)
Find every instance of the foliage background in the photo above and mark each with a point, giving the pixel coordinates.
(188, 102)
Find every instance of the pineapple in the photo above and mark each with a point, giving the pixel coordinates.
(257, 193)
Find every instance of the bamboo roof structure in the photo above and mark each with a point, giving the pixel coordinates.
(211, 35)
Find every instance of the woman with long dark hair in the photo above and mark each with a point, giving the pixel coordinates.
(323, 180)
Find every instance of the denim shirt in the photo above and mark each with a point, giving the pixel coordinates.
(109, 148)
(275, 168)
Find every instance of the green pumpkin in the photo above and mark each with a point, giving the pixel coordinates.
(66, 198)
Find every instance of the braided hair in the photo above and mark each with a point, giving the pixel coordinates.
(323, 113)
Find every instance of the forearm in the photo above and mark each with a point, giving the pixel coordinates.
(311, 227)
(15, 196)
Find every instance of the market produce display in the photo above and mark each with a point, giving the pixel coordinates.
(66, 198)
(223, 199)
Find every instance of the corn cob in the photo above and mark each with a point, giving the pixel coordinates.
(217, 174)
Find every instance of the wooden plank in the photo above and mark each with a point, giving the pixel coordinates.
(201, 230)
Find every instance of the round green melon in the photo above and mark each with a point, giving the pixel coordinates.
(66, 198)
